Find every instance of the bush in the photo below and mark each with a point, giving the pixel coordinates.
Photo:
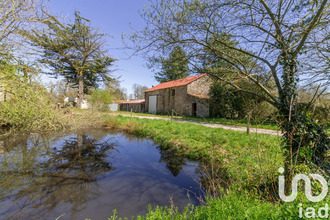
(100, 100)
(227, 102)
(25, 103)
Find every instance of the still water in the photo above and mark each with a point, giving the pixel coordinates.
(88, 174)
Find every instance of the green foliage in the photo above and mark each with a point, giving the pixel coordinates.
(74, 51)
(233, 205)
(26, 104)
(228, 95)
(320, 113)
(310, 141)
(227, 102)
(100, 99)
(175, 67)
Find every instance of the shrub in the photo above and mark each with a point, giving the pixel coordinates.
(25, 103)
(100, 100)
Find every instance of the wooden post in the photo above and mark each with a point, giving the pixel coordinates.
(172, 115)
(248, 123)
(131, 112)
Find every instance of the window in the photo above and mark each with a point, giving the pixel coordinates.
(173, 92)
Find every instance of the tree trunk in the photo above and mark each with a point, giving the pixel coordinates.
(287, 111)
(305, 140)
(80, 90)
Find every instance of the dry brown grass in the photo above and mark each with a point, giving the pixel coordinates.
(73, 119)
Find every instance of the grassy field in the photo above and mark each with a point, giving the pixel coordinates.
(266, 124)
(247, 163)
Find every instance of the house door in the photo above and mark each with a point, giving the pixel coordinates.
(152, 104)
(194, 109)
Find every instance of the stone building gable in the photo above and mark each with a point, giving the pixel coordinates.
(200, 86)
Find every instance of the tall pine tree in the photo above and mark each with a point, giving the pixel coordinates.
(175, 67)
(74, 51)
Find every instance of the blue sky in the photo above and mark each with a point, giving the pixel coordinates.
(113, 17)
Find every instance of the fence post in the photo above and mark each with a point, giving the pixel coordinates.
(172, 115)
(248, 123)
(131, 112)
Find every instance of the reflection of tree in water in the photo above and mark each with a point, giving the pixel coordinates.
(82, 158)
(67, 174)
(174, 161)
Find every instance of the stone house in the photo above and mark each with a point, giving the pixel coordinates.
(133, 105)
(188, 96)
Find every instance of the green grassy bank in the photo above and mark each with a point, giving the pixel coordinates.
(248, 159)
(266, 124)
(234, 205)
(248, 163)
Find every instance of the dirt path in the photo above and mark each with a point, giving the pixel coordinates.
(211, 125)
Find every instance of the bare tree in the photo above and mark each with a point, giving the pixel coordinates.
(138, 91)
(16, 14)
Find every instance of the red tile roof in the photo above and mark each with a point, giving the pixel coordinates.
(133, 101)
(175, 83)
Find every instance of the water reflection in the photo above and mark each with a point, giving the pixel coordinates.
(81, 158)
(174, 162)
(42, 177)
(87, 174)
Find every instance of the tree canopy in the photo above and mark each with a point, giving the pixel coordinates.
(174, 67)
(74, 51)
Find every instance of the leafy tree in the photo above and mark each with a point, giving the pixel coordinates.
(100, 99)
(74, 51)
(273, 34)
(227, 102)
(175, 67)
(24, 103)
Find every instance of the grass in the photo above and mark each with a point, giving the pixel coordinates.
(250, 163)
(249, 160)
(266, 124)
(234, 206)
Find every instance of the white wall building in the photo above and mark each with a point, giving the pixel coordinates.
(84, 104)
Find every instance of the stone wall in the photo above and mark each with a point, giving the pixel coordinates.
(203, 107)
(182, 102)
(200, 86)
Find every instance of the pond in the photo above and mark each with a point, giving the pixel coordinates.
(88, 174)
